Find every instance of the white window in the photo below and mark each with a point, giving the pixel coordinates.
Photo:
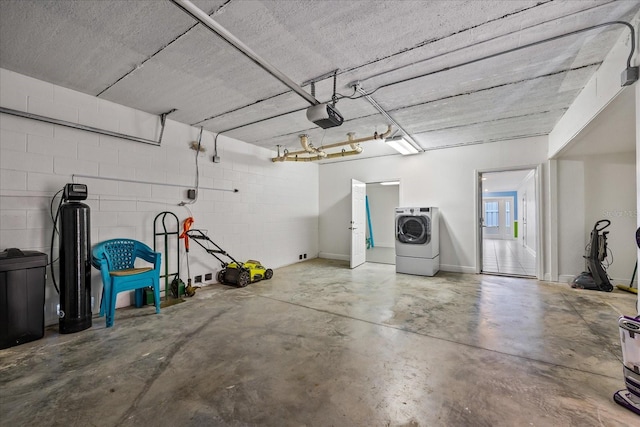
(491, 214)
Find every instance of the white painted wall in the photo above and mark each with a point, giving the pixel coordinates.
(273, 217)
(606, 198)
(596, 181)
(592, 189)
(441, 178)
(571, 219)
(601, 89)
(383, 199)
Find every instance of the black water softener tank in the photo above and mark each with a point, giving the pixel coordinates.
(75, 261)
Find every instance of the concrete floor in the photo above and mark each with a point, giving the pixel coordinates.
(322, 345)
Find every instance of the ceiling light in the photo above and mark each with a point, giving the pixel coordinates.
(390, 183)
(401, 145)
(484, 178)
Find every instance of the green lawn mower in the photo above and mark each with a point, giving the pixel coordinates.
(235, 273)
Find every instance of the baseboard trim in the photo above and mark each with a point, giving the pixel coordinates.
(327, 255)
(457, 269)
(566, 278)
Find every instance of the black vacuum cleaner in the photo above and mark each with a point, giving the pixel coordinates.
(595, 278)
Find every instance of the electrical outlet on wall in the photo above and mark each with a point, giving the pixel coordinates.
(198, 279)
(208, 276)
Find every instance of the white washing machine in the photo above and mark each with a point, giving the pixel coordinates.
(417, 241)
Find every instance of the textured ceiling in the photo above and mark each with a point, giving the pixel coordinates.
(151, 56)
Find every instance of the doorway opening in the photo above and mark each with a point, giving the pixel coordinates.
(509, 223)
(372, 222)
(382, 199)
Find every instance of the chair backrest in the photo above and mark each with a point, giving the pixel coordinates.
(120, 254)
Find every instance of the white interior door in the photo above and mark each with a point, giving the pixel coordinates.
(357, 226)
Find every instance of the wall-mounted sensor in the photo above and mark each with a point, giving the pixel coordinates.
(629, 76)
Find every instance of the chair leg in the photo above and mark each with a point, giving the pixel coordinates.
(111, 307)
(156, 295)
(104, 300)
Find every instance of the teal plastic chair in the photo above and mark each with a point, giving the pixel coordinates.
(116, 259)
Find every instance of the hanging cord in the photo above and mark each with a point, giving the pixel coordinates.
(334, 98)
(608, 258)
(53, 235)
(515, 49)
(191, 202)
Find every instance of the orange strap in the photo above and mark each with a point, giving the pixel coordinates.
(186, 226)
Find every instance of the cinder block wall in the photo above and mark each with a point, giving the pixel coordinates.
(272, 218)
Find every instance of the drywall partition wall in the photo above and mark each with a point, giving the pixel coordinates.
(610, 194)
(601, 89)
(272, 218)
(590, 189)
(596, 180)
(442, 178)
(571, 218)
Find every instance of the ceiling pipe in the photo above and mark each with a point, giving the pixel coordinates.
(309, 148)
(320, 154)
(202, 17)
(375, 135)
(73, 125)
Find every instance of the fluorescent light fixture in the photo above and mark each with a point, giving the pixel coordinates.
(390, 183)
(401, 145)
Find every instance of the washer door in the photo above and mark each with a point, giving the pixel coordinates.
(413, 230)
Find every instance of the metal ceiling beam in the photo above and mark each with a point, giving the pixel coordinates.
(382, 111)
(202, 17)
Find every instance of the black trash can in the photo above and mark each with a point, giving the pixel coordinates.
(22, 280)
